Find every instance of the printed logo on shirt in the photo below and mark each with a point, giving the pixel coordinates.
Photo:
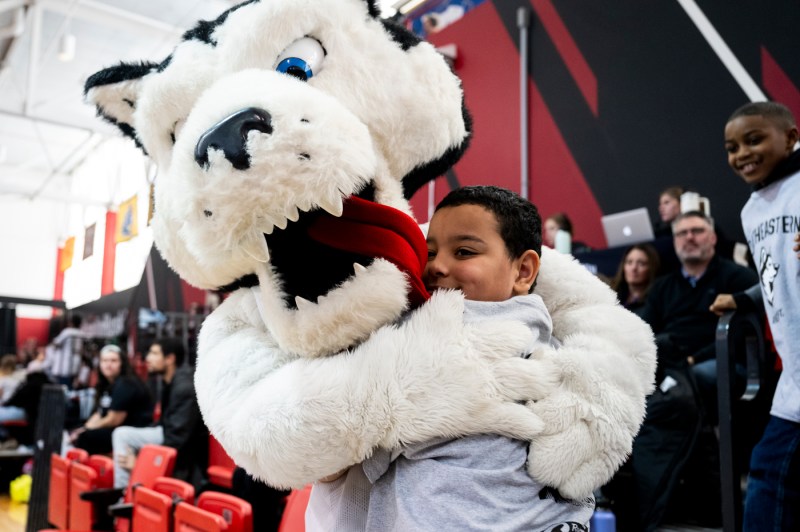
(552, 493)
(105, 401)
(768, 272)
(569, 526)
(778, 224)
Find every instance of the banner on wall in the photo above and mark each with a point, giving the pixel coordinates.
(127, 227)
(88, 241)
(66, 254)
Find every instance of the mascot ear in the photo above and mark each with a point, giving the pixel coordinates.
(373, 8)
(114, 92)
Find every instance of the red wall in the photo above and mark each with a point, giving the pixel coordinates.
(32, 327)
(489, 69)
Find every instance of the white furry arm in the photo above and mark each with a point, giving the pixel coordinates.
(290, 421)
(608, 361)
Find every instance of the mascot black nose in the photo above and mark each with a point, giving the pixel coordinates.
(230, 136)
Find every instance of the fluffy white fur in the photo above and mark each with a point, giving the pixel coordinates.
(373, 112)
(293, 420)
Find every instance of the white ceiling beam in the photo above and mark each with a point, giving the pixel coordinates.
(8, 5)
(112, 17)
(14, 28)
(35, 19)
(59, 198)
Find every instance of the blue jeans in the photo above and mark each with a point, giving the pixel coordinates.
(773, 489)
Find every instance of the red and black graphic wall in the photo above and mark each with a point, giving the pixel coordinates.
(626, 98)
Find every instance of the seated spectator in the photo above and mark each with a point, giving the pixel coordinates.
(122, 399)
(180, 425)
(677, 308)
(669, 207)
(26, 399)
(10, 380)
(635, 275)
(65, 353)
(560, 222)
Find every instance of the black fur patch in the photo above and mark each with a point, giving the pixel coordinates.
(400, 35)
(117, 73)
(374, 10)
(203, 30)
(433, 169)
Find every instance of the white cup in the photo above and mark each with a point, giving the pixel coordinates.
(692, 201)
(563, 242)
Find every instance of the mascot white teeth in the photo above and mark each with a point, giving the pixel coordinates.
(289, 135)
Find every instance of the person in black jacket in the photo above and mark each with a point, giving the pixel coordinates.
(180, 425)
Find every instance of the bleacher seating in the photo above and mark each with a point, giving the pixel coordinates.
(215, 512)
(153, 507)
(294, 515)
(220, 465)
(84, 478)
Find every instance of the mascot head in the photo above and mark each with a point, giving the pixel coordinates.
(289, 135)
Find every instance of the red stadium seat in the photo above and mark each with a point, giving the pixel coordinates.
(189, 518)
(58, 504)
(152, 462)
(220, 465)
(294, 515)
(237, 513)
(152, 508)
(85, 478)
(175, 489)
(151, 511)
(77, 455)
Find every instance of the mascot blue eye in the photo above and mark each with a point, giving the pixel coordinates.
(302, 59)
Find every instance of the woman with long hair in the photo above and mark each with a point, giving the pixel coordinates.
(635, 275)
(121, 399)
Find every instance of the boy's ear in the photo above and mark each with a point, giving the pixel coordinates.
(528, 264)
(791, 138)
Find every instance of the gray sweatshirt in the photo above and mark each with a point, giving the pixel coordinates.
(471, 483)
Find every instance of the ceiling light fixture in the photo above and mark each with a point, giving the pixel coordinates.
(66, 47)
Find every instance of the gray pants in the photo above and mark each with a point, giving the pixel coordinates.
(130, 439)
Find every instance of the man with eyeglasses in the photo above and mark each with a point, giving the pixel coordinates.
(677, 308)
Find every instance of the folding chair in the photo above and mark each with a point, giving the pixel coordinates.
(85, 478)
(294, 515)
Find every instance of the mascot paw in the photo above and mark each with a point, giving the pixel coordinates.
(456, 379)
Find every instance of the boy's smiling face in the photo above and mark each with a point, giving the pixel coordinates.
(756, 144)
(466, 252)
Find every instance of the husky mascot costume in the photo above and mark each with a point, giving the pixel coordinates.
(289, 135)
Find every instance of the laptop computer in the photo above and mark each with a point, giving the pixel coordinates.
(628, 227)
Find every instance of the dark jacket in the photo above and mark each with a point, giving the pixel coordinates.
(183, 426)
(678, 312)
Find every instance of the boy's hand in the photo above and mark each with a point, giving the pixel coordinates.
(796, 247)
(722, 303)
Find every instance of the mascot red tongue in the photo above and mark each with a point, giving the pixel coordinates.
(375, 230)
